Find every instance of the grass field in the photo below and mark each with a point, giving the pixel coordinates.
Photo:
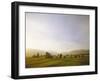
(48, 60)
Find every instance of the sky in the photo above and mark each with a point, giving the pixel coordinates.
(57, 32)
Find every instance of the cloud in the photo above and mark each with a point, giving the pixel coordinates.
(57, 32)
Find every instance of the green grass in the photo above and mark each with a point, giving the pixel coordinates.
(43, 61)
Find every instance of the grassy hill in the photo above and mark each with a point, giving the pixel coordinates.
(38, 58)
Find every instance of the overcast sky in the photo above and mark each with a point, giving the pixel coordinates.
(57, 32)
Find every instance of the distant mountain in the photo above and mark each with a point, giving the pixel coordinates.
(81, 51)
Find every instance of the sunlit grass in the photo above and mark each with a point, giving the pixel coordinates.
(48, 60)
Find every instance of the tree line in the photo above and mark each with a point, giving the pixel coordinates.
(60, 55)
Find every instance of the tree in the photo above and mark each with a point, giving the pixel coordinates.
(60, 55)
(48, 55)
(37, 54)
